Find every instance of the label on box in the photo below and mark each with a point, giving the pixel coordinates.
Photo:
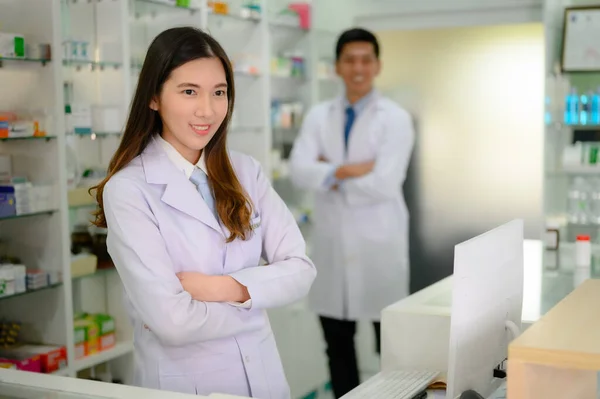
(107, 341)
(79, 351)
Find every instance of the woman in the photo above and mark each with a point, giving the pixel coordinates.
(188, 223)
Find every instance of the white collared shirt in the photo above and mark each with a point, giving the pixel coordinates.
(188, 168)
(179, 161)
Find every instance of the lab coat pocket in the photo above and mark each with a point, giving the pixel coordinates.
(278, 385)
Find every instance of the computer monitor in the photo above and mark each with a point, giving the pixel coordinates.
(487, 300)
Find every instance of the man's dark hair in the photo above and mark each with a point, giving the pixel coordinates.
(356, 35)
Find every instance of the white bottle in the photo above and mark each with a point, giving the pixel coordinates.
(583, 252)
(583, 260)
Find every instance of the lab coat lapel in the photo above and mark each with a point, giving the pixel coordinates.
(179, 193)
(335, 131)
(363, 125)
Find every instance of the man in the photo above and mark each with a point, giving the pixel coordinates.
(353, 151)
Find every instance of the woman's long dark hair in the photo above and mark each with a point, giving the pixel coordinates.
(169, 50)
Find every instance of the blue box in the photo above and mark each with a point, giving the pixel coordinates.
(8, 206)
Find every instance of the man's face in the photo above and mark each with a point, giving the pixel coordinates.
(358, 66)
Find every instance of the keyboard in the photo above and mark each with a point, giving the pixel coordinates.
(393, 385)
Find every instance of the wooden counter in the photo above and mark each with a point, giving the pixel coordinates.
(559, 356)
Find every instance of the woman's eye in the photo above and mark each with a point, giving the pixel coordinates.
(220, 93)
(189, 92)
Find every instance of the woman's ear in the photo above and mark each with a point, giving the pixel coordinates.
(154, 104)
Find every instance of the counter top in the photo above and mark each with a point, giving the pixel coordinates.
(567, 336)
(415, 331)
(549, 276)
(25, 385)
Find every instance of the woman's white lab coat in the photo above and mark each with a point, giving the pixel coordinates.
(159, 225)
(360, 235)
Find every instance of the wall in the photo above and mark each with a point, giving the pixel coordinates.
(425, 14)
(477, 95)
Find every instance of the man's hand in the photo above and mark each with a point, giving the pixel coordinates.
(203, 287)
(354, 170)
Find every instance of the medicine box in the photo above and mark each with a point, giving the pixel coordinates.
(86, 337)
(106, 330)
(8, 204)
(21, 361)
(52, 358)
(81, 115)
(7, 280)
(12, 45)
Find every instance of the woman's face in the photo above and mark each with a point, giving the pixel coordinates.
(192, 105)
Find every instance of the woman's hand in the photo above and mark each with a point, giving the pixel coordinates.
(206, 288)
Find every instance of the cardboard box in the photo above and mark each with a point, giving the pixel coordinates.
(107, 341)
(86, 337)
(53, 358)
(105, 323)
(22, 361)
(8, 203)
(81, 115)
(12, 45)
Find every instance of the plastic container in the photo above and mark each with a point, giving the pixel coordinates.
(583, 252)
(595, 108)
(579, 202)
(572, 108)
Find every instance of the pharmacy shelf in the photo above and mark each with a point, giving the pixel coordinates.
(162, 4)
(110, 28)
(582, 170)
(33, 138)
(582, 127)
(30, 292)
(62, 372)
(232, 17)
(42, 61)
(120, 349)
(95, 135)
(97, 273)
(93, 65)
(28, 215)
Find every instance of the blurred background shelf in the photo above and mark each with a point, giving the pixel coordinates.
(120, 349)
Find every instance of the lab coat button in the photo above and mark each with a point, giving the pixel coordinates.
(247, 358)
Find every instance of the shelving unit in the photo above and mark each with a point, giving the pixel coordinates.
(121, 349)
(31, 292)
(9, 139)
(118, 33)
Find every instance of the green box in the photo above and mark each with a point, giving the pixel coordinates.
(85, 331)
(12, 45)
(105, 323)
